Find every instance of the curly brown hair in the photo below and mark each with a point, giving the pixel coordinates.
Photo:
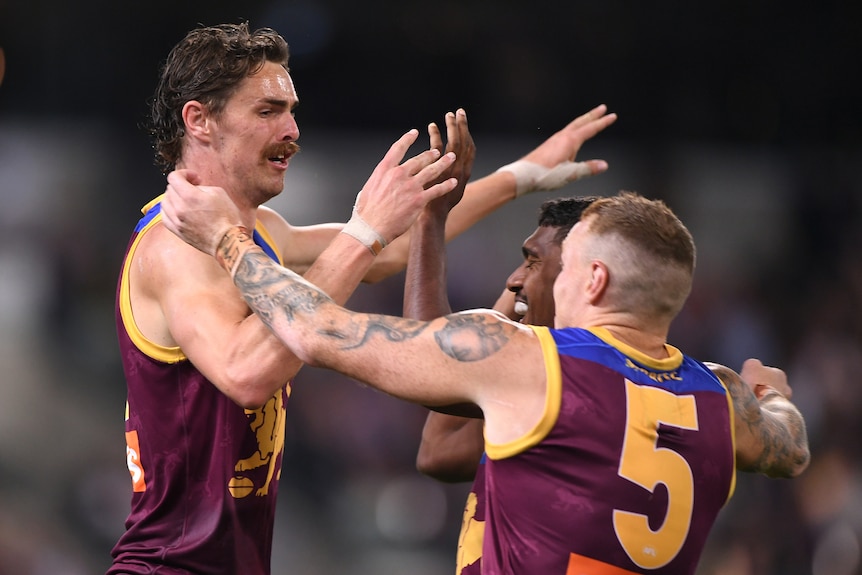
(207, 65)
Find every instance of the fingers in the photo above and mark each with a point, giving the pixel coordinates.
(593, 114)
(432, 170)
(763, 378)
(441, 189)
(453, 135)
(591, 123)
(594, 167)
(397, 150)
(751, 363)
(593, 127)
(435, 137)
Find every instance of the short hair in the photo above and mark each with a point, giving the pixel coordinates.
(207, 65)
(563, 213)
(648, 250)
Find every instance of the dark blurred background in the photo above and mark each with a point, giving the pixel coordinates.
(741, 115)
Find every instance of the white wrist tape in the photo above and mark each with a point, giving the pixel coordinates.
(364, 233)
(530, 177)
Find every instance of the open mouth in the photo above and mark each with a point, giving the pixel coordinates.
(282, 153)
(280, 159)
(521, 308)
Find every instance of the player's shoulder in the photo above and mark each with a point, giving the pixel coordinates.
(271, 219)
(163, 259)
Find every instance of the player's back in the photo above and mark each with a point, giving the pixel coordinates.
(626, 472)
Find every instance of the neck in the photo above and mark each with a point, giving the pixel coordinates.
(648, 337)
(213, 176)
(648, 343)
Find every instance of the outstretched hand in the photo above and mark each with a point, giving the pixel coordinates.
(552, 164)
(460, 142)
(200, 215)
(395, 194)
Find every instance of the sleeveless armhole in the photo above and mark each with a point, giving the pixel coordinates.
(732, 419)
(553, 400)
(156, 351)
(150, 348)
(265, 241)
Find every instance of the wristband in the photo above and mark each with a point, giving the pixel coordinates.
(227, 252)
(364, 233)
(531, 177)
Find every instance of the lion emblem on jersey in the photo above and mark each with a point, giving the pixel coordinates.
(267, 423)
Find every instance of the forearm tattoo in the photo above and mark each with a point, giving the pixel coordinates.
(272, 291)
(228, 250)
(773, 422)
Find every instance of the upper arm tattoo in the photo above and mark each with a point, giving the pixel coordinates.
(472, 337)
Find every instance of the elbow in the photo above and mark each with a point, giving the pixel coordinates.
(786, 466)
(252, 390)
(799, 463)
(254, 397)
(442, 469)
(426, 465)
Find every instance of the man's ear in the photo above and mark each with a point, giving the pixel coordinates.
(598, 284)
(196, 119)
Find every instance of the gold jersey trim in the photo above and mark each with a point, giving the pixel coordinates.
(553, 401)
(671, 362)
(150, 348)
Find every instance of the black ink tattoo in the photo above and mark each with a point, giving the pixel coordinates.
(773, 422)
(269, 289)
(472, 337)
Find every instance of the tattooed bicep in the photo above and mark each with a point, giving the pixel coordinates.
(472, 337)
(744, 400)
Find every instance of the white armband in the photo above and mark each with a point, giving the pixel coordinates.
(364, 233)
(531, 177)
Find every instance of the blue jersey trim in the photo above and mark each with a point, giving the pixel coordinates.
(256, 237)
(686, 377)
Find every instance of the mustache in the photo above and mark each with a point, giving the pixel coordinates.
(286, 149)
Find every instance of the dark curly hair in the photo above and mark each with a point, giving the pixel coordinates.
(563, 213)
(207, 65)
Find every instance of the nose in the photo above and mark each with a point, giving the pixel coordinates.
(515, 281)
(291, 129)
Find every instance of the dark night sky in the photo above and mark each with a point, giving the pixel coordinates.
(748, 72)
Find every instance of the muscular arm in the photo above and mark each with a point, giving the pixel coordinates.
(461, 358)
(206, 317)
(770, 432)
(451, 446)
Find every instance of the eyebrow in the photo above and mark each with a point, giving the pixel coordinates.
(279, 103)
(528, 253)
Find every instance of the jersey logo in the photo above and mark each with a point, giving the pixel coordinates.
(267, 423)
(472, 535)
(580, 565)
(133, 460)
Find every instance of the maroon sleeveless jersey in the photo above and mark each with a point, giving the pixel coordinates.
(204, 470)
(625, 473)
